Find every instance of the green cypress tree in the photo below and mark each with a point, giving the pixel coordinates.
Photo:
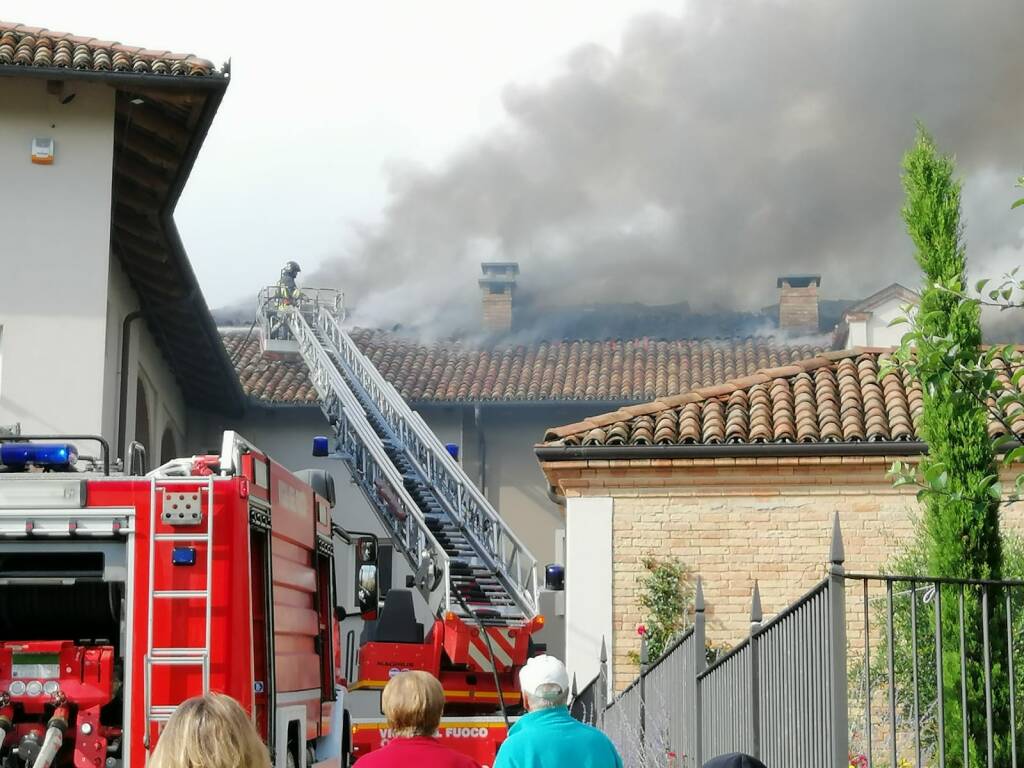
(961, 498)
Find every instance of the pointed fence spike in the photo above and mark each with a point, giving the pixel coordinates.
(837, 556)
(755, 609)
(643, 652)
(699, 597)
(574, 689)
(604, 651)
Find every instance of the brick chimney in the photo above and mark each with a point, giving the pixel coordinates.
(498, 289)
(798, 303)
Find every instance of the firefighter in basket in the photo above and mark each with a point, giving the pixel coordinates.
(287, 291)
(287, 295)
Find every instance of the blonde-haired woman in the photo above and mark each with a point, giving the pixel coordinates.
(412, 703)
(210, 731)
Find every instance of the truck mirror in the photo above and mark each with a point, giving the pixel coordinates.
(366, 550)
(367, 594)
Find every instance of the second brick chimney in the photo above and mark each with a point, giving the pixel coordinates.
(498, 289)
(798, 303)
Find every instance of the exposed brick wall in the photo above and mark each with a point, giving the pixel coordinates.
(783, 541)
(733, 521)
(497, 310)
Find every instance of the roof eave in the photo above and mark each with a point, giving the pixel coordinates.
(235, 397)
(213, 81)
(493, 403)
(554, 453)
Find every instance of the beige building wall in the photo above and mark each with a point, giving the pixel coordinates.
(736, 520)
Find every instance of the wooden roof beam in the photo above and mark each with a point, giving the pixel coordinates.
(145, 175)
(152, 122)
(143, 145)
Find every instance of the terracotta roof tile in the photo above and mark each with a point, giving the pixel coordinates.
(573, 370)
(836, 397)
(24, 46)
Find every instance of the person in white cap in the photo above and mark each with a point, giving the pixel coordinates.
(548, 736)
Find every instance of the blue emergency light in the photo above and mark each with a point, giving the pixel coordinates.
(320, 446)
(38, 454)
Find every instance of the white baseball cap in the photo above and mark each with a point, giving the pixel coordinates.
(543, 670)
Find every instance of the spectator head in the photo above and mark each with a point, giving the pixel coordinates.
(544, 683)
(413, 702)
(210, 731)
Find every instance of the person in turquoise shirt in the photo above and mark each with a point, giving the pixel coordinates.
(548, 736)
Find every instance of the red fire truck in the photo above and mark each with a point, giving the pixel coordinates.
(122, 595)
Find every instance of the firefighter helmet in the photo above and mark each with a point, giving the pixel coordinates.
(291, 268)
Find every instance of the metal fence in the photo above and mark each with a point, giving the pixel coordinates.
(673, 677)
(832, 681)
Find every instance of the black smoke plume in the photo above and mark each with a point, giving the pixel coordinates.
(710, 153)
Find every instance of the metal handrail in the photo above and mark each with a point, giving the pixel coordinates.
(493, 539)
(407, 524)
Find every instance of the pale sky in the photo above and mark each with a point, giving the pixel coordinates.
(325, 97)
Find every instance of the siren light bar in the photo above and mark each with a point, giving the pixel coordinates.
(48, 455)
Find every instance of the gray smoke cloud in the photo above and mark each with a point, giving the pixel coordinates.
(711, 153)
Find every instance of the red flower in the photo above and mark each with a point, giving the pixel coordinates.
(641, 629)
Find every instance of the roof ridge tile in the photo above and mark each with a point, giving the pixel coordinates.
(159, 62)
(843, 400)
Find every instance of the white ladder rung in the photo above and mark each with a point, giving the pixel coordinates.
(161, 714)
(181, 594)
(178, 662)
(167, 653)
(181, 537)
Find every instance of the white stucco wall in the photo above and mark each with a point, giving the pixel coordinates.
(876, 330)
(63, 296)
(515, 483)
(165, 402)
(588, 586)
(56, 239)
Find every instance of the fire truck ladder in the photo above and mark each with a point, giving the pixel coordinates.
(163, 495)
(447, 530)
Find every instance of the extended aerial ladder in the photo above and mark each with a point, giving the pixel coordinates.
(466, 559)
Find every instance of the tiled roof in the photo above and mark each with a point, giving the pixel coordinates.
(266, 378)
(37, 47)
(831, 398)
(634, 369)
